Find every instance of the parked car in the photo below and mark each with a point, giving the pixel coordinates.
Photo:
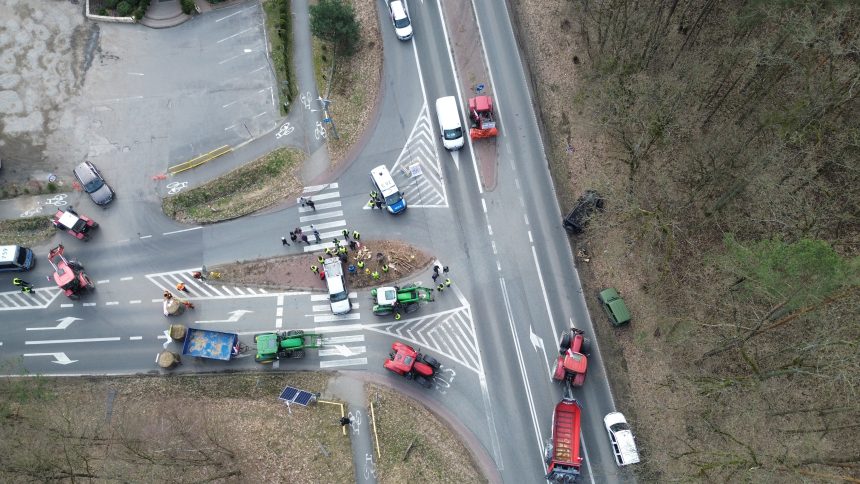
(93, 183)
(621, 438)
(585, 207)
(400, 19)
(614, 306)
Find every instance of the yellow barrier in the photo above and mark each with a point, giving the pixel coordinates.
(342, 413)
(199, 160)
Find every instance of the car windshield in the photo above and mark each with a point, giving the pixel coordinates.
(93, 185)
(392, 199)
(619, 427)
(401, 23)
(455, 133)
(339, 296)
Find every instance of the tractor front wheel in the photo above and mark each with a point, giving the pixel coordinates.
(431, 362)
(586, 345)
(565, 342)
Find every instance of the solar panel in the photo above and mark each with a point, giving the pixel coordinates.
(294, 395)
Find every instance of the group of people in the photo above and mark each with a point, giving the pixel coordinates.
(440, 286)
(25, 286)
(376, 201)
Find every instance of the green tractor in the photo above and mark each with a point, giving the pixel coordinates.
(398, 300)
(285, 344)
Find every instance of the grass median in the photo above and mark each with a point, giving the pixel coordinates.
(26, 231)
(257, 185)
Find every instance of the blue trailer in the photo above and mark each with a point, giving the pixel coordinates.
(205, 343)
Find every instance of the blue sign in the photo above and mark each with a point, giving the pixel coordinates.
(327, 120)
(479, 88)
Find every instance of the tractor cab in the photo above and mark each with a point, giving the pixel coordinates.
(68, 275)
(386, 295)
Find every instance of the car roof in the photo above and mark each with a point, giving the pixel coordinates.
(397, 9)
(85, 170)
(384, 180)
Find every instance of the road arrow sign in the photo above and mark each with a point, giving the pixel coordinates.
(537, 342)
(234, 316)
(59, 358)
(343, 350)
(64, 323)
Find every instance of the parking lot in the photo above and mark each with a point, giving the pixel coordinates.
(125, 95)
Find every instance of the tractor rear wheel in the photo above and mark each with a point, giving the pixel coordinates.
(565, 342)
(586, 345)
(431, 362)
(412, 307)
(382, 311)
(298, 354)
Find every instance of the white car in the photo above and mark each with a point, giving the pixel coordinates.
(400, 18)
(621, 438)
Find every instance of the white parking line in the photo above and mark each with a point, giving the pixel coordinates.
(236, 34)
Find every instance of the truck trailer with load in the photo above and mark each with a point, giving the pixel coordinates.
(562, 453)
(285, 344)
(206, 343)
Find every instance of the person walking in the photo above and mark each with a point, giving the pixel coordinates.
(336, 242)
(305, 239)
(315, 269)
(440, 287)
(341, 249)
(447, 282)
(303, 201)
(293, 237)
(27, 289)
(298, 231)
(375, 275)
(284, 241)
(434, 277)
(20, 282)
(436, 270)
(360, 264)
(353, 245)
(371, 203)
(345, 233)
(312, 205)
(356, 235)
(321, 259)
(181, 286)
(316, 234)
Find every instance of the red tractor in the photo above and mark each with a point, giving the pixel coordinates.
(405, 361)
(77, 225)
(69, 275)
(483, 117)
(572, 363)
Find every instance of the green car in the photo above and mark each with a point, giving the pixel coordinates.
(614, 306)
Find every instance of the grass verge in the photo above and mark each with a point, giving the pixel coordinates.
(26, 231)
(244, 190)
(196, 428)
(279, 30)
(415, 445)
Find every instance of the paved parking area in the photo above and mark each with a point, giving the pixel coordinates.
(128, 96)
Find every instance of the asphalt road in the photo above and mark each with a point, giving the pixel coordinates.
(495, 330)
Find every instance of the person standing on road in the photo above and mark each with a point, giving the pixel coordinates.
(434, 276)
(316, 235)
(20, 282)
(284, 241)
(312, 205)
(345, 233)
(305, 239)
(356, 235)
(344, 421)
(293, 237)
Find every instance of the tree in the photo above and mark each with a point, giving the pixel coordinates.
(334, 21)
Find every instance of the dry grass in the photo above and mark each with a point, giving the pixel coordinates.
(356, 83)
(436, 455)
(26, 231)
(254, 186)
(235, 419)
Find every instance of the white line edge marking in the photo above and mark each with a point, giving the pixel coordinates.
(180, 231)
(128, 278)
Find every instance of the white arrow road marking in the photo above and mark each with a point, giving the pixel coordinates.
(456, 156)
(64, 323)
(59, 358)
(537, 341)
(234, 316)
(343, 350)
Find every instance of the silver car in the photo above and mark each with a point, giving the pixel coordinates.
(93, 183)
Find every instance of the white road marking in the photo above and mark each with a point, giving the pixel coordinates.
(258, 115)
(135, 338)
(135, 301)
(336, 340)
(103, 281)
(338, 363)
(63, 341)
(321, 216)
(66, 305)
(145, 236)
(111, 303)
(335, 317)
(126, 278)
(238, 33)
(317, 188)
(89, 304)
(180, 231)
(135, 73)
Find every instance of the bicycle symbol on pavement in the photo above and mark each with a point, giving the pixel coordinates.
(32, 212)
(369, 466)
(319, 131)
(175, 187)
(306, 100)
(285, 130)
(57, 200)
(355, 421)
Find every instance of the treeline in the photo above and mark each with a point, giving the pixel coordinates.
(738, 125)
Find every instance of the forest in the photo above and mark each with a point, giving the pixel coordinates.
(732, 129)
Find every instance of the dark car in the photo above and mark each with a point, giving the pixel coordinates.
(582, 211)
(93, 183)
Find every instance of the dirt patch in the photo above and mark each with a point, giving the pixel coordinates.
(293, 271)
(254, 186)
(26, 231)
(415, 445)
(356, 84)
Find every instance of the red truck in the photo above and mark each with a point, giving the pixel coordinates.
(562, 454)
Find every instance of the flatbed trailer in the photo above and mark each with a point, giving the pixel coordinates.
(206, 343)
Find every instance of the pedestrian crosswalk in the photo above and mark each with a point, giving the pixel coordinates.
(40, 298)
(417, 171)
(198, 289)
(325, 216)
(338, 351)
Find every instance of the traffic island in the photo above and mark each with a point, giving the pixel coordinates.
(293, 272)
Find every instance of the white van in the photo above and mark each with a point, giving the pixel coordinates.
(381, 178)
(450, 127)
(14, 258)
(338, 295)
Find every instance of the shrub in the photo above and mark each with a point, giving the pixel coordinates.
(103, 11)
(123, 8)
(138, 13)
(52, 187)
(187, 6)
(110, 4)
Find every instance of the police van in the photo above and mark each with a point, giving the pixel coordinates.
(15, 258)
(383, 182)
